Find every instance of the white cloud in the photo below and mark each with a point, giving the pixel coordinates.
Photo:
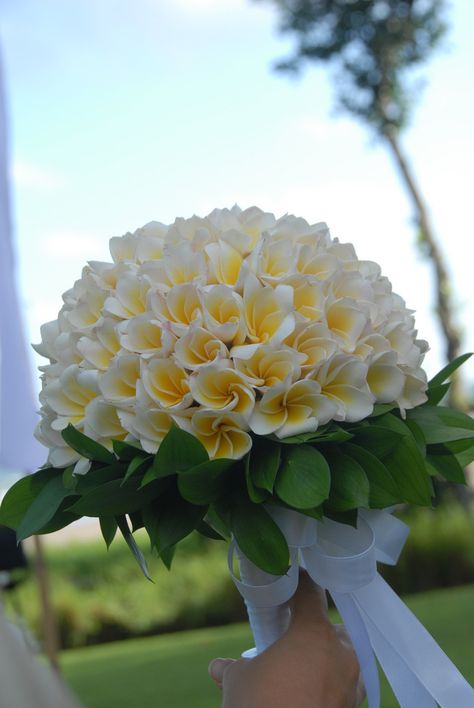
(30, 176)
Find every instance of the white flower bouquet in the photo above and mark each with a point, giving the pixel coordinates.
(249, 378)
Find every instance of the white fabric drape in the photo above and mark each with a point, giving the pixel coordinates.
(24, 682)
(19, 450)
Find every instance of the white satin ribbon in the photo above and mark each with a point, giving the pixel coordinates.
(343, 560)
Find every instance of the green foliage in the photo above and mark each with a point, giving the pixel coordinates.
(304, 478)
(371, 45)
(258, 536)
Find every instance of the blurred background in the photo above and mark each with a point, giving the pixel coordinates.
(125, 112)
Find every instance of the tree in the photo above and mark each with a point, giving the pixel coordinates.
(371, 45)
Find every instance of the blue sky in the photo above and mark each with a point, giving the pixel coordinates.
(123, 112)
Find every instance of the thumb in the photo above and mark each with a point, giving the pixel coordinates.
(217, 669)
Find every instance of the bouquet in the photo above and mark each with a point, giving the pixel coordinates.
(250, 378)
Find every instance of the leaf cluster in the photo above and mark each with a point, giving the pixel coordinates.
(370, 44)
(380, 461)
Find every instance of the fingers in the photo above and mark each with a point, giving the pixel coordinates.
(217, 669)
(309, 603)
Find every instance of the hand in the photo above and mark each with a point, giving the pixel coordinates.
(312, 666)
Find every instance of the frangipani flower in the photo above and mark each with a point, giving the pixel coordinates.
(199, 347)
(224, 263)
(223, 314)
(69, 395)
(270, 365)
(343, 379)
(99, 348)
(220, 387)
(222, 433)
(148, 425)
(167, 384)
(180, 306)
(268, 314)
(223, 322)
(145, 335)
(288, 409)
(314, 342)
(119, 383)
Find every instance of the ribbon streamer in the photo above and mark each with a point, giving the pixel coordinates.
(343, 560)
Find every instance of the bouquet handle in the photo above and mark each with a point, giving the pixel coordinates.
(267, 623)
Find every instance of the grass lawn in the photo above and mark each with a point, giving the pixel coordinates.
(170, 671)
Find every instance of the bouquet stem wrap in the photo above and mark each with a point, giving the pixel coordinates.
(267, 623)
(343, 560)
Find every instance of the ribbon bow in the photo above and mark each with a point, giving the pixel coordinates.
(343, 560)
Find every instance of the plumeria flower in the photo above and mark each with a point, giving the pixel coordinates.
(118, 384)
(220, 387)
(292, 408)
(145, 335)
(271, 364)
(180, 306)
(167, 384)
(219, 322)
(222, 310)
(147, 425)
(69, 395)
(343, 379)
(314, 342)
(199, 347)
(100, 347)
(223, 434)
(268, 314)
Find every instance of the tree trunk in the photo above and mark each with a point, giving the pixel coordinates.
(444, 304)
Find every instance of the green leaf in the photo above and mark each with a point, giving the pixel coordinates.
(342, 517)
(445, 373)
(43, 508)
(383, 489)
(108, 527)
(167, 555)
(22, 494)
(256, 494)
(448, 467)
(97, 476)
(264, 462)
(379, 440)
(406, 464)
(436, 394)
(171, 519)
(217, 521)
(332, 433)
(137, 466)
(85, 446)
(58, 522)
(179, 451)
(259, 537)
(126, 451)
(131, 543)
(204, 483)
(205, 530)
(303, 479)
(463, 450)
(381, 409)
(150, 522)
(113, 499)
(69, 478)
(440, 424)
(349, 483)
(418, 435)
